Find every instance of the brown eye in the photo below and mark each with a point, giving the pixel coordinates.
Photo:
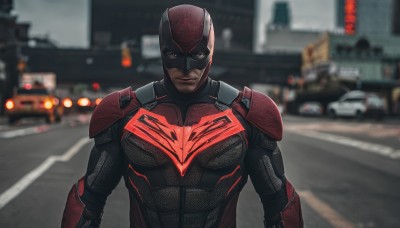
(199, 55)
(172, 55)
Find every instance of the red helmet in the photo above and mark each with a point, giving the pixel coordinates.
(186, 38)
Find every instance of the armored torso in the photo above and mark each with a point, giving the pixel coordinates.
(182, 172)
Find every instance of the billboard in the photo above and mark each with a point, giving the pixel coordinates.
(47, 79)
(150, 47)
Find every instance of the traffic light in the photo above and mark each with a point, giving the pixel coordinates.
(126, 60)
(95, 86)
(21, 66)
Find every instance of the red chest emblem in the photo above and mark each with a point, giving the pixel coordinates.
(183, 143)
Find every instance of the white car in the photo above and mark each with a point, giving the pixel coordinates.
(358, 104)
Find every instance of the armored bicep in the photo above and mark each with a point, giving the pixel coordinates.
(265, 166)
(104, 168)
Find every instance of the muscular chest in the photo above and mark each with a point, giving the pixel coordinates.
(209, 139)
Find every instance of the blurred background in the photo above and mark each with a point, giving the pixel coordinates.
(331, 66)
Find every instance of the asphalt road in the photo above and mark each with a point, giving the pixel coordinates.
(347, 173)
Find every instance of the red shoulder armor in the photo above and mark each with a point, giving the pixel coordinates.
(261, 111)
(110, 110)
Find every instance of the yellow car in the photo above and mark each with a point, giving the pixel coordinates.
(35, 102)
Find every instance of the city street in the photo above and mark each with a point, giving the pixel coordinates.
(318, 60)
(347, 173)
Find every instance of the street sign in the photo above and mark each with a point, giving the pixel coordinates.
(150, 47)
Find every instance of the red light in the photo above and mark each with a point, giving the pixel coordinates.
(95, 86)
(126, 62)
(350, 16)
(27, 86)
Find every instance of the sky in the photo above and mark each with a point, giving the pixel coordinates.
(67, 22)
(64, 21)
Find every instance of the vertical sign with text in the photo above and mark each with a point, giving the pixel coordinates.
(350, 17)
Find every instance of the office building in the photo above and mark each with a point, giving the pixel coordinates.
(368, 17)
(116, 21)
(281, 15)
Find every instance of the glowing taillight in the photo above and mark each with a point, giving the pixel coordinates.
(98, 100)
(84, 102)
(48, 104)
(10, 104)
(67, 103)
(27, 86)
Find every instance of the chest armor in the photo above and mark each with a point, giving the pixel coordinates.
(184, 174)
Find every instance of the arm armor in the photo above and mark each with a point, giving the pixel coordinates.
(112, 108)
(87, 198)
(280, 201)
(75, 212)
(261, 111)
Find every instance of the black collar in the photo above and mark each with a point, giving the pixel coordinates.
(167, 93)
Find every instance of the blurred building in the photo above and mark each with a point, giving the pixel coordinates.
(280, 37)
(119, 57)
(281, 15)
(338, 62)
(116, 21)
(340, 13)
(287, 40)
(396, 18)
(12, 35)
(104, 66)
(368, 17)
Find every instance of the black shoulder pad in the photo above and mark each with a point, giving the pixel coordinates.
(146, 93)
(226, 93)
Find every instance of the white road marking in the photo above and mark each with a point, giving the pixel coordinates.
(333, 217)
(29, 178)
(373, 130)
(366, 146)
(25, 131)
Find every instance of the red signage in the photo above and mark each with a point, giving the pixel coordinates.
(350, 16)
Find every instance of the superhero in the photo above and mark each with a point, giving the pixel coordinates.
(185, 145)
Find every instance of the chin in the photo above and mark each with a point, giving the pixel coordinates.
(186, 89)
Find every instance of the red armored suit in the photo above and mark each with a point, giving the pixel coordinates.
(185, 145)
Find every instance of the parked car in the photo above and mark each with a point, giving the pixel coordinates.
(358, 104)
(311, 109)
(35, 102)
